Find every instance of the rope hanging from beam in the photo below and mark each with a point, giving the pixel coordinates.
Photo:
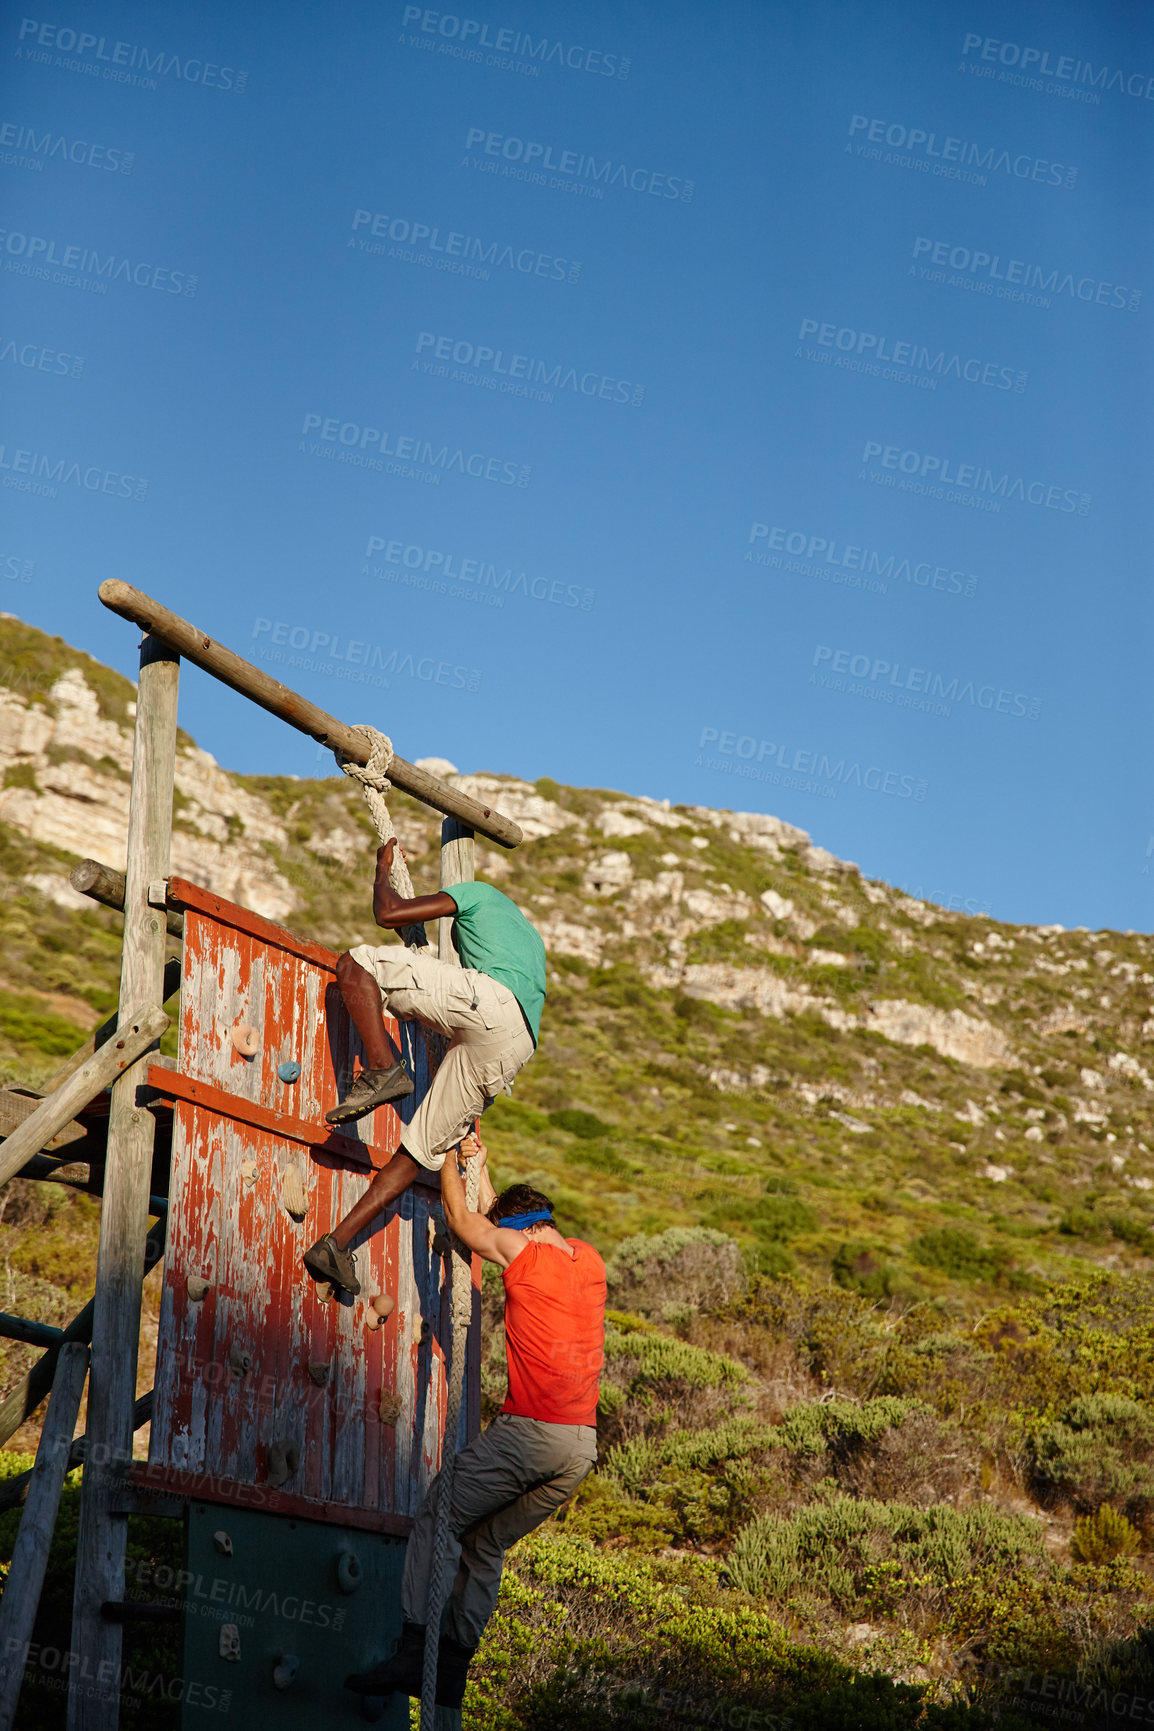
(373, 777)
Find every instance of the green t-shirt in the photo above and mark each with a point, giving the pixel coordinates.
(493, 936)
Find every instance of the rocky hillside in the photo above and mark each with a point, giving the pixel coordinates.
(876, 1185)
(757, 1036)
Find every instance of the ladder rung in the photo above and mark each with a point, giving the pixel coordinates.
(31, 1333)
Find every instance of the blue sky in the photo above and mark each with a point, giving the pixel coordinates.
(743, 405)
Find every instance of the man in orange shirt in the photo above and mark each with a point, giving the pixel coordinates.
(536, 1451)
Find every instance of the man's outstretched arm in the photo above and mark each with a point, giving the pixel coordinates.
(393, 911)
(499, 1244)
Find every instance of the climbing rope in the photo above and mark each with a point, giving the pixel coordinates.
(374, 779)
(375, 784)
(461, 1315)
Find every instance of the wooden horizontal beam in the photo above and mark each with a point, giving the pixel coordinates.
(143, 1027)
(105, 884)
(31, 1333)
(214, 1488)
(290, 706)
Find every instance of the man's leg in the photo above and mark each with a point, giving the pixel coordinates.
(382, 1076)
(483, 1546)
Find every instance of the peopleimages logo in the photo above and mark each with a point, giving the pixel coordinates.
(875, 350)
(48, 146)
(1017, 276)
(522, 375)
(540, 159)
(471, 35)
(1037, 62)
(935, 474)
(431, 568)
(39, 359)
(100, 56)
(365, 447)
(913, 687)
(460, 254)
(955, 158)
(804, 770)
(863, 566)
(34, 472)
(33, 254)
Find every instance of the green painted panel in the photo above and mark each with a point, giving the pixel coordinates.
(281, 1590)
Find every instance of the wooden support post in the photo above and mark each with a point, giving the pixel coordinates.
(103, 1535)
(30, 1555)
(116, 1058)
(458, 855)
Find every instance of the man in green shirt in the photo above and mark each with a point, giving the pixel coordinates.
(490, 1008)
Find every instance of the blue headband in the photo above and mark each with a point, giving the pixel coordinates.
(517, 1221)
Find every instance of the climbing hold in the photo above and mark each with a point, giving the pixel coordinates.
(246, 1040)
(222, 1543)
(284, 1457)
(439, 1241)
(293, 1193)
(240, 1362)
(229, 1641)
(390, 1407)
(349, 1572)
(380, 1308)
(319, 1371)
(248, 1172)
(373, 1707)
(285, 1670)
(327, 1292)
(289, 1071)
(425, 1332)
(197, 1287)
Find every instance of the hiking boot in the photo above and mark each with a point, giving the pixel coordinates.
(399, 1675)
(453, 1662)
(370, 1089)
(325, 1260)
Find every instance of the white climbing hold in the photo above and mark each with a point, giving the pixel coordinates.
(222, 1543)
(380, 1308)
(285, 1670)
(230, 1642)
(293, 1192)
(284, 1457)
(197, 1287)
(248, 1172)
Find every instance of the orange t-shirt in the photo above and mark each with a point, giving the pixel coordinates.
(555, 1332)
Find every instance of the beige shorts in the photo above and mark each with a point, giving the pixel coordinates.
(489, 1040)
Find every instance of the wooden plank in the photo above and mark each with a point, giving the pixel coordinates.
(184, 894)
(321, 1138)
(148, 1476)
(105, 884)
(19, 1604)
(290, 706)
(106, 1029)
(102, 1538)
(14, 1108)
(114, 1058)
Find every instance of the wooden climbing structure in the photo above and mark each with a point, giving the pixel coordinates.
(294, 1431)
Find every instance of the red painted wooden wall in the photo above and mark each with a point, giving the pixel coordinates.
(367, 1420)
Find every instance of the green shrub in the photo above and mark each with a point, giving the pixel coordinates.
(1100, 1449)
(1101, 1537)
(859, 1267)
(780, 1217)
(585, 1125)
(683, 1265)
(954, 1251)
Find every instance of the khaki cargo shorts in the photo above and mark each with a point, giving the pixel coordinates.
(489, 1040)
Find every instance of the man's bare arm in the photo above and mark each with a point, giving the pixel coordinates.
(499, 1244)
(393, 911)
(473, 1148)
